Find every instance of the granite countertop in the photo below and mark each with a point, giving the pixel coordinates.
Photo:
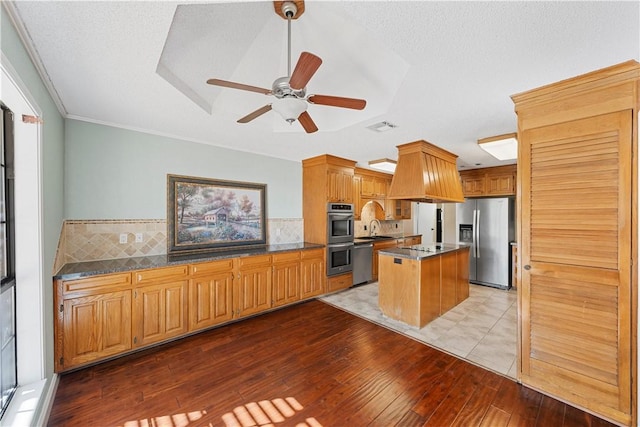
(419, 252)
(381, 238)
(91, 268)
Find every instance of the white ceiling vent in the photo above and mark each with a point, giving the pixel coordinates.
(382, 126)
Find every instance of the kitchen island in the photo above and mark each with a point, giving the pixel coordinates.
(419, 283)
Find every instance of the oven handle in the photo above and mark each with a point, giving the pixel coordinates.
(340, 245)
(340, 215)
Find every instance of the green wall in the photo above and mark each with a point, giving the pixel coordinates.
(114, 173)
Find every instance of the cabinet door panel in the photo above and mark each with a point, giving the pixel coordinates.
(96, 327)
(210, 301)
(448, 272)
(312, 277)
(286, 283)
(255, 290)
(159, 312)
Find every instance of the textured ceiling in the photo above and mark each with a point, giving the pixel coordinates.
(441, 71)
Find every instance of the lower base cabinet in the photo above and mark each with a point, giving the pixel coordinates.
(286, 278)
(95, 327)
(210, 294)
(254, 289)
(312, 273)
(104, 316)
(159, 304)
(336, 283)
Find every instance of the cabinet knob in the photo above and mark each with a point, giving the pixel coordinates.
(527, 267)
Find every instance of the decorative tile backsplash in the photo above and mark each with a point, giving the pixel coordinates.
(368, 214)
(92, 240)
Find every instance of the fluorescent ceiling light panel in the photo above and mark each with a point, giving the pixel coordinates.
(502, 147)
(386, 165)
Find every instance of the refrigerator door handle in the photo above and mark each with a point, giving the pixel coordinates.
(473, 235)
(477, 239)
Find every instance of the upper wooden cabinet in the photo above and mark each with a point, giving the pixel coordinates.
(495, 181)
(374, 186)
(325, 179)
(577, 249)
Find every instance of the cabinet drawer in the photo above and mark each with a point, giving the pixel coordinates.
(160, 274)
(251, 261)
(211, 267)
(312, 253)
(336, 283)
(286, 257)
(112, 282)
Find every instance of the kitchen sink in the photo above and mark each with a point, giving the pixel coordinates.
(375, 237)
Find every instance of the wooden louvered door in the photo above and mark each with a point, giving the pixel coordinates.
(575, 301)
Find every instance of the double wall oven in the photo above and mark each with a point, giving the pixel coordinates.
(340, 235)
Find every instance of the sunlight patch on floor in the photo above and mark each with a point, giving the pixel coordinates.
(175, 420)
(266, 413)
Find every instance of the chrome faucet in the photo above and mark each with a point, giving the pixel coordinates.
(372, 227)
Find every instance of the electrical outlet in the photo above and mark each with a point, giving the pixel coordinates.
(278, 232)
(396, 225)
(123, 238)
(138, 237)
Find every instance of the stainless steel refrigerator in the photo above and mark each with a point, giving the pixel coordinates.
(488, 225)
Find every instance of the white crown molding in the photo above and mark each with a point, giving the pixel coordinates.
(27, 42)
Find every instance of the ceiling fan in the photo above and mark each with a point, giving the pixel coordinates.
(290, 91)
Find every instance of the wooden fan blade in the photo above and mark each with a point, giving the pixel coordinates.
(307, 123)
(233, 85)
(260, 111)
(336, 101)
(306, 67)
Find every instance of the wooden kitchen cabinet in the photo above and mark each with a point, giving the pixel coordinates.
(384, 244)
(489, 182)
(336, 283)
(254, 285)
(159, 305)
(340, 185)
(357, 198)
(396, 209)
(374, 187)
(448, 283)
(286, 278)
(325, 179)
(93, 319)
(462, 276)
(577, 255)
(312, 273)
(210, 294)
(103, 316)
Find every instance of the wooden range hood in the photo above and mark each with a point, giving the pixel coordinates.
(426, 173)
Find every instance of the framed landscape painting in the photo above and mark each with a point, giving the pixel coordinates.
(207, 214)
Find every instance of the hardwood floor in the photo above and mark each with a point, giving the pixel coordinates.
(306, 365)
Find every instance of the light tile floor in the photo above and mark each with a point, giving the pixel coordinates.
(481, 329)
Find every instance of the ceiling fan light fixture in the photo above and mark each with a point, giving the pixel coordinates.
(289, 108)
(502, 147)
